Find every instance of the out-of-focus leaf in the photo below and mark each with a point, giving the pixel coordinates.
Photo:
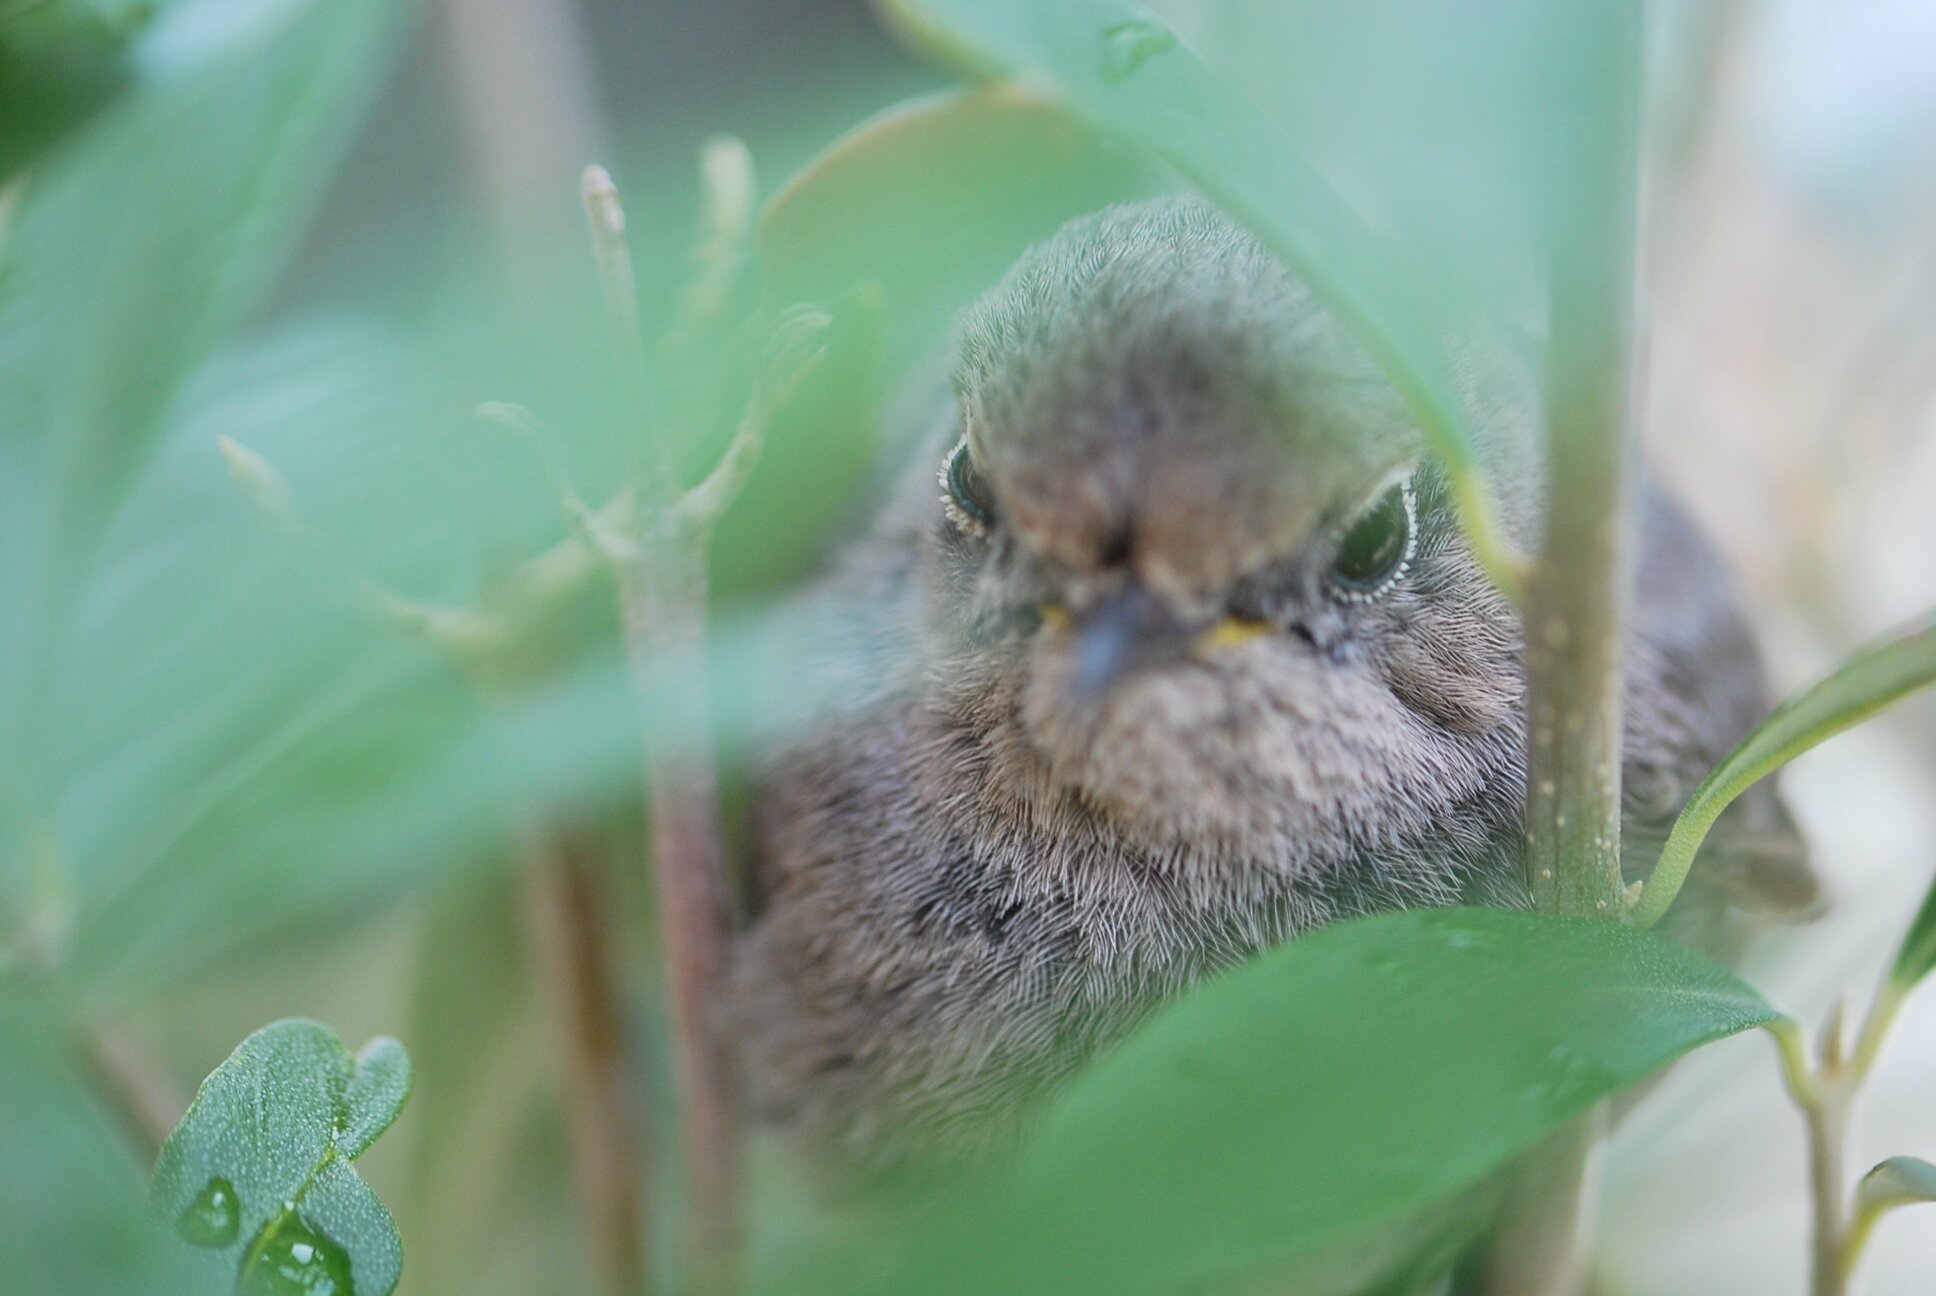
(1332, 1088)
(1126, 73)
(931, 201)
(139, 247)
(1899, 1181)
(1447, 128)
(71, 1215)
(258, 1176)
(130, 252)
(1874, 677)
(482, 1214)
(60, 62)
(1918, 953)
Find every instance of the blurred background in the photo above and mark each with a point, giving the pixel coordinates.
(265, 804)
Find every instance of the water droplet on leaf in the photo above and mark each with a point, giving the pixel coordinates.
(213, 1218)
(294, 1259)
(1129, 44)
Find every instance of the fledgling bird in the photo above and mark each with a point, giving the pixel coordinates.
(1185, 655)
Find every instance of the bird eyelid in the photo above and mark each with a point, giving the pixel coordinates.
(1366, 564)
(959, 479)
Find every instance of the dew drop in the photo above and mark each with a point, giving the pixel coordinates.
(293, 1259)
(213, 1218)
(1129, 44)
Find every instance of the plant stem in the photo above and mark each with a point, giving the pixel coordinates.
(1577, 597)
(662, 602)
(566, 903)
(661, 570)
(134, 1084)
(1541, 1247)
(1824, 1097)
(1825, 1090)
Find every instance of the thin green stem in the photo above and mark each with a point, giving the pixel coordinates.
(1856, 1240)
(1824, 1102)
(1824, 1089)
(1575, 607)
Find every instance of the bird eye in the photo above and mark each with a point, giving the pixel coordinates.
(970, 501)
(1377, 547)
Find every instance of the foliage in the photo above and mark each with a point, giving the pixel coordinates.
(1319, 1108)
(1127, 74)
(258, 1172)
(212, 732)
(1867, 682)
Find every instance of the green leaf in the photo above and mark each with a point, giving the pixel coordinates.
(1918, 953)
(930, 201)
(1899, 1181)
(105, 315)
(376, 1094)
(61, 61)
(1874, 677)
(1125, 73)
(258, 1176)
(1359, 1080)
(129, 252)
(71, 1217)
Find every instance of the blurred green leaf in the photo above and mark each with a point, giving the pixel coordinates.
(483, 1214)
(930, 202)
(1335, 1087)
(257, 1174)
(1127, 74)
(138, 248)
(1918, 953)
(130, 253)
(1448, 132)
(1870, 680)
(72, 1221)
(60, 62)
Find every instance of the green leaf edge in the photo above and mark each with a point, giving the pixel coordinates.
(1877, 675)
(1756, 1012)
(1898, 1181)
(385, 1063)
(394, 1060)
(1445, 426)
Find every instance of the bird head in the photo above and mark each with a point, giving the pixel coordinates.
(1192, 564)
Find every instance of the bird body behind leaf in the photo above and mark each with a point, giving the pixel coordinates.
(1165, 649)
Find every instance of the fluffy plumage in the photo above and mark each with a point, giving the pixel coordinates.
(978, 871)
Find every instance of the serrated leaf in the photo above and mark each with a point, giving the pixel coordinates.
(1124, 72)
(1358, 1079)
(260, 1165)
(1899, 1181)
(1871, 679)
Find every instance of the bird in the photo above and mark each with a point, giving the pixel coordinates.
(1164, 647)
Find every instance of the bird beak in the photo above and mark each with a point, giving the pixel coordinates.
(1126, 631)
(1129, 630)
